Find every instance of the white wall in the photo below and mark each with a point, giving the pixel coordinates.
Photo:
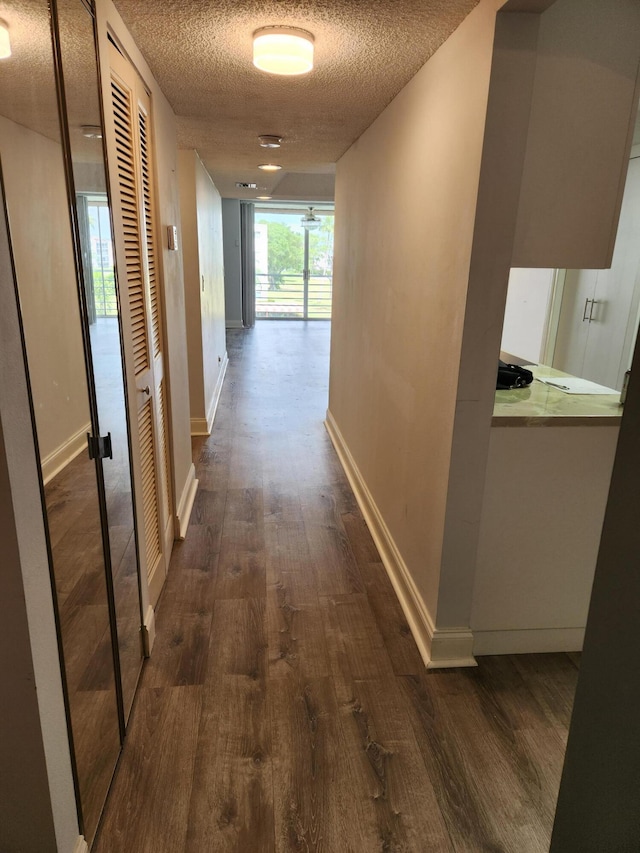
(45, 268)
(202, 248)
(421, 274)
(520, 123)
(405, 208)
(232, 262)
(527, 312)
(538, 540)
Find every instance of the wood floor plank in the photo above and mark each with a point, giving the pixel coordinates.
(551, 679)
(355, 647)
(316, 804)
(190, 585)
(231, 805)
(390, 621)
(180, 653)
(242, 560)
(305, 720)
(458, 791)
(506, 775)
(401, 795)
(237, 644)
(295, 633)
(149, 803)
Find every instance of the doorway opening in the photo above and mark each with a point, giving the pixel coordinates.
(293, 262)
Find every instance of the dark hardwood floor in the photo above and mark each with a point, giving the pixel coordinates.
(286, 707)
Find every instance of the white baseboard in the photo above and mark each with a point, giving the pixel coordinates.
(528, 641)
(81, 845)
(149, 631)
(199, 426)
(202, 426)
(234, 324)
(185, 504)
(438, 648)
(54, 462)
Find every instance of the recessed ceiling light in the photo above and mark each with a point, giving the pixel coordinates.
(269, 167)
(263, 197)
(267, 141)
(5, 41)
(283, 50)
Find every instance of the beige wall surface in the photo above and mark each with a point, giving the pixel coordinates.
(211, 252)
(405, 208)
(45, 268)
(582, 116)
(202, 247)
(191, 267)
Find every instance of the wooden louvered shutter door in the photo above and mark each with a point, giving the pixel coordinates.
(134, 220)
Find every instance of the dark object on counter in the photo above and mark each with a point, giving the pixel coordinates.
(625, 385)
(512, 376)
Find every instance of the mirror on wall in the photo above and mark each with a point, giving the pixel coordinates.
(98, 274)
(60, 233)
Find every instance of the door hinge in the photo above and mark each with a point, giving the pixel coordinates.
(99, 446)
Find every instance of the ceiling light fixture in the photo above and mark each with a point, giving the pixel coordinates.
(5, 41)
(283, 50)
(310, 221)
(267, 141)
(263, 197)
(270, 167)
(91, 131)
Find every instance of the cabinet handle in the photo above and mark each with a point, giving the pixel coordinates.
(584, 313)
(593, 302)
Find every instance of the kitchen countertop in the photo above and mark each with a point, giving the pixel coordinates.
(543, 405)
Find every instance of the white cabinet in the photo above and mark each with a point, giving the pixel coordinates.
(598, 317)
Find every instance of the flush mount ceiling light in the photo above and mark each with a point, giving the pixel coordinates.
(283, 50)
(263, 197)
(270, 167)
(91, 131)
(310, 221)
(5, 41)
(267, 141)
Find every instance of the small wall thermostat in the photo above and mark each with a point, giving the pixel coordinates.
(172, 238)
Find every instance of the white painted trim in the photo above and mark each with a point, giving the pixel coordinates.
(149, 631)
(528, 641)
(54, 462)
(202, 426)
(439, 648)
(199, 426)
(81, 845)
(553, 317)
(234, 324)
(186, 502)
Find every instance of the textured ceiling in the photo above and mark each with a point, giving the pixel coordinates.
(365, 52)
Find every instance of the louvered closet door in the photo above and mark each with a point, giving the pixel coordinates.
(135, 219)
